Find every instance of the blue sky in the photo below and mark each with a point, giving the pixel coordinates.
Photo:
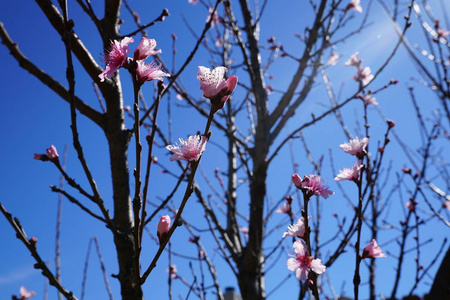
(35, 118)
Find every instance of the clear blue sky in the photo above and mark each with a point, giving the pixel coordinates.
(35, 118)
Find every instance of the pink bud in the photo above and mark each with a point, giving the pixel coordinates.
(163, 227)
(373, 250)
(52, 153)
(406, 170)
(33, 241)
(297, 181)
(390, 123)
(226, 91)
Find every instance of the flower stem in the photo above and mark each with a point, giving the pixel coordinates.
(357, 277)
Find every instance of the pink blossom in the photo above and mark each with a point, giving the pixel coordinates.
(350, 174)
(302, 262)
(333, 59)
(364, 75)
(219, 42)
(189, 150)
(442, 32)
(244, 230)
(369, 99)
(146, 72)
(214, 86)
(297, 230)
(411, 205)
(52, 153)
(284, 209)
(25, 294)
(353, 60)
(372, 250)
(354, 4)
(215, 17)
(116, 57)
(145, 49)
(313, 185)
(173, 271)
(356, 147)
(163, 227)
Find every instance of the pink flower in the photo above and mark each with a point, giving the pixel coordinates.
(411, 205)
(355, 147)
(116, 57)
(354, 4)
(163, 227)
(372, 251)
(364, 75)
(350, 174)
(313, 185)
(285, 209)
(244, 230)
(215, 17)
(303, 262)
(52, 153)
(145, 49)
(146, 72)
(333, 59)
(25, 294)
(173, 271)
(353, 60)
(190, 149)
(297, 230)
(369, 99)
(214, 86)
(442, 32)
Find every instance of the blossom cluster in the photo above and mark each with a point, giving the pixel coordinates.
(302, 262)
(218, 90)
(358, 148)
(117, 58)
(363, 76)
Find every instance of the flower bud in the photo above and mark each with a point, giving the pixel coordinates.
(163, 227)
(52, 153)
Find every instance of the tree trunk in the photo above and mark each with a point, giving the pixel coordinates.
(118, 139)
(251, 270)
(441, 284)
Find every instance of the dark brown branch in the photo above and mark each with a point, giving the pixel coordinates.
(47, 80)
(77, 47)
(31, 246)
(75, 201)
(164, 13)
